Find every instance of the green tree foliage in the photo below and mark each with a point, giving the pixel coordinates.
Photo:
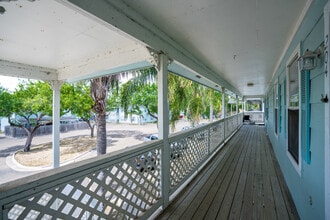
(213, 103)
(196, 105)
(6, 103)
(145, 96)
(76, 98)
(139, 91)
(113, 102)
(184, 96)
(178, 96)
(32, 101)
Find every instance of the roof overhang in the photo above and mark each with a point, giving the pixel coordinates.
(228, 44)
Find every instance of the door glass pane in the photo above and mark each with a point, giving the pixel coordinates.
(293, 84)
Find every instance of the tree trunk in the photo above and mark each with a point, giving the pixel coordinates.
(29, 138)
(101, 134)
(152, 115)
(92, 130)
(91, 127)
(99, 93)
(28, 142)
(117, 116)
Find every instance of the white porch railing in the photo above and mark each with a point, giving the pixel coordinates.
(123, 185)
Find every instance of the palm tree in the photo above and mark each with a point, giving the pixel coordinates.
(99, 89)
(178, 95)
(142, 81)
(196, 105)
(183, 94)
(213, 102)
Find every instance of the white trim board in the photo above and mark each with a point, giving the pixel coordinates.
(327, 113)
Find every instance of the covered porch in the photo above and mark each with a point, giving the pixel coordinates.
(245, 49)
(225, 170)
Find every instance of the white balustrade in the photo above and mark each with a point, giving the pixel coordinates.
(121, 185)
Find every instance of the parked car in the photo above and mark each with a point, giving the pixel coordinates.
(146, 163)
(186, 128)
(150, 137)
(176, 149)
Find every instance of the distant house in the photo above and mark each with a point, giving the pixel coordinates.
(119, 116)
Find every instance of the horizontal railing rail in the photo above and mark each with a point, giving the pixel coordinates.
(121, 185)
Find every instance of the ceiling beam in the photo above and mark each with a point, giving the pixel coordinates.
(8, 68)
(105, 63)
(122, 18)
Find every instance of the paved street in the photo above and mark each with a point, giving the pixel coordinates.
(9, 145)
(121, 135)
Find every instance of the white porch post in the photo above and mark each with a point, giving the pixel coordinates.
(56, 123)
(237, 104)
(163, 126)
(224, 112)
(223, 103)
(244, 105)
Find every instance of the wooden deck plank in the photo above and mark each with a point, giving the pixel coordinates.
(268, 205)
(235, 210)
(179, 205)
(225, 207)
(206, 195)
(279, 182)
(247, 203)
(219, 192)
(257, 180)
(243, 181)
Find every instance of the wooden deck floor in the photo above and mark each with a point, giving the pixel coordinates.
(243, 181)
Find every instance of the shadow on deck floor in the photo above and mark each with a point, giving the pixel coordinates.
(243, 181)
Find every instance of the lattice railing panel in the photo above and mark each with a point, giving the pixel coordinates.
(217, 136)
(186, 154)
(231, 125)
(126, 185)
(121, 191)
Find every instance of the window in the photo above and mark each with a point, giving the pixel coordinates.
(266, 108)
(279, 108)
(276, 108)
(293, 109)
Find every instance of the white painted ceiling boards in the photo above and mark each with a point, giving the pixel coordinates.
(228, 42)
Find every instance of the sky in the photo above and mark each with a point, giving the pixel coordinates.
(8, 82)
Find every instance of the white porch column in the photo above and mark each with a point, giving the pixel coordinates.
(56, 123)
(223, 103)
(237, 104)
(211, 112)
(244, 105)
(163, 126)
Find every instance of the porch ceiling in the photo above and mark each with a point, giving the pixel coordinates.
(231, 43)
(240, 40)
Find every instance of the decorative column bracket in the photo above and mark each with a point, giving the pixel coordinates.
(155, 59)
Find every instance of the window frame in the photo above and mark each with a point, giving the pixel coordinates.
(276, 108)
(294, 56)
